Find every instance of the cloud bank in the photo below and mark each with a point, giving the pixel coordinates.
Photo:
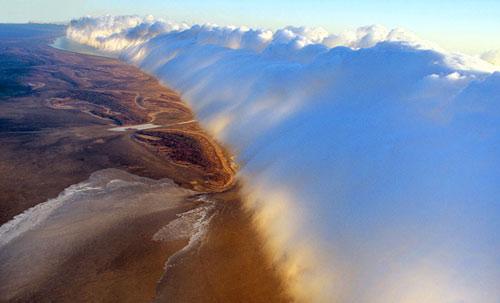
(370, 157)
(492, 57)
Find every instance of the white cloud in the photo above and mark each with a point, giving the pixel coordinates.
(492, 57)
(376, 144)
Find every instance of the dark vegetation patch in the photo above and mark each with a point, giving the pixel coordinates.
(11, 125)
(16, 61)
(12, 70)
(179, 147)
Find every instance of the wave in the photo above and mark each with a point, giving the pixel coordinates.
(370, 157)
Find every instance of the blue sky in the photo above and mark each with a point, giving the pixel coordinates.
(469, 26)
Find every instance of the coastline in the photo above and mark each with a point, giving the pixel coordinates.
(179, 150)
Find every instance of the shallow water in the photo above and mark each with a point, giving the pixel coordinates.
(66, 44)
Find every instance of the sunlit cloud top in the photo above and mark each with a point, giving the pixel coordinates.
(468, 26)
(369, 155)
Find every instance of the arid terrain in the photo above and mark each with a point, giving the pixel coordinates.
(65, 116)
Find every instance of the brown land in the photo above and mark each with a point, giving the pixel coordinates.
(64, 117)
(56, 109)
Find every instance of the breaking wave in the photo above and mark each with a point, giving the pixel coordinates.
(370, 157)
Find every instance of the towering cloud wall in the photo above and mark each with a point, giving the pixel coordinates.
(370, 157)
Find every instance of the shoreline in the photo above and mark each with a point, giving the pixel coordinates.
(178, 149)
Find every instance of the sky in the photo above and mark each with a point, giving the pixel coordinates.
(467, 26)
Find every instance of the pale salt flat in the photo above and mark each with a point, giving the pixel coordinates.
(35, 243)
(134, 127)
